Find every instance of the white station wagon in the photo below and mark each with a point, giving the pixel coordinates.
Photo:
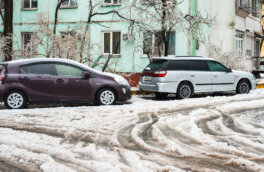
(186, 76)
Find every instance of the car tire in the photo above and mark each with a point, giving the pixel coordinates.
(184, 91)
(15, 100)
(243, 87)
(161, 95)
(106, 96)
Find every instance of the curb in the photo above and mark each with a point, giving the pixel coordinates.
(260, 86)
(139, 92)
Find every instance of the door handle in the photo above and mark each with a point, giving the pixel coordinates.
(60, 80)
(215, 76)
(192, 75)
(25, 78)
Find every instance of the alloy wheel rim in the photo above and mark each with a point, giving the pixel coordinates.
(244, 88)
(185, 91)
(107, 97)
(15, 100)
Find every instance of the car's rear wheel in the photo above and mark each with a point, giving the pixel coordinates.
(161, 95)
(15, 100)
(106, 96)
(184, 91)
(243, 87)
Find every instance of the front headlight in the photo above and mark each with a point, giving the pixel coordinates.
(121, 80)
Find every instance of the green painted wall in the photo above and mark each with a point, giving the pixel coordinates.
(131, 59)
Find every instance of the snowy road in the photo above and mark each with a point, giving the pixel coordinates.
(224, 133)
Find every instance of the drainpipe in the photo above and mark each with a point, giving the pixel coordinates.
(189, 34)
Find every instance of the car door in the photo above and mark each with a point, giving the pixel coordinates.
(201, 76)
(38, 81)
(222, 79)
(70, 84)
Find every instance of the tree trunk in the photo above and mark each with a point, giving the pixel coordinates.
(8, 29)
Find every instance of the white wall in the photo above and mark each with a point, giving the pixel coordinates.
(222, 30)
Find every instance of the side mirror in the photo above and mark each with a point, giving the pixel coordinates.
(86, 74)
(229, 70)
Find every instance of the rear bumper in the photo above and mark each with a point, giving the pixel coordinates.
(169, 87)
(123, 93)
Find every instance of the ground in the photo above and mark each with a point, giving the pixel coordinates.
(213, 133)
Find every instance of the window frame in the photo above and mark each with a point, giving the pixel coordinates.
(33, 49)
(153, 44)
(30, 5)
(240, 42)
(119, 3)
(69, 6)
(111, 43)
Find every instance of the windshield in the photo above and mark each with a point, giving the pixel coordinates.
(156, 65)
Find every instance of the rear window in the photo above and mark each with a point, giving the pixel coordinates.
(37, 69)
(187, 65)
(157, 65)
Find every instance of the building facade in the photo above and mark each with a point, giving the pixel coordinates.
(235, 27)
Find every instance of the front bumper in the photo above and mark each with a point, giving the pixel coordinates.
(123, 93)
(2, 93)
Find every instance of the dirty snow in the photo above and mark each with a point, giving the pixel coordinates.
(222, 133)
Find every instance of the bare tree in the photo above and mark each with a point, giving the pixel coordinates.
(8, 29)
(158, 21)
(229, 59)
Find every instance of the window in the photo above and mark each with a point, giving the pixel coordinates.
(257, 48)
(179, 65)
(111, 43)
(111, 2)
(37, 69)
(256, 8)
(199, 65)
(251, 6)
(68, 70)
(29, 47)
(153, 45)
(30, 4)
(2, 4)
(216, 67)
(69, 4)
(239, 43)
(157, 65)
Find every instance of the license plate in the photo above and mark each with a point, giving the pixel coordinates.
(147, 78)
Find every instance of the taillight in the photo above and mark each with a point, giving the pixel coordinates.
(159, 74)
(2, 78)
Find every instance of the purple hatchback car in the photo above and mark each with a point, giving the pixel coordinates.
(42, 80)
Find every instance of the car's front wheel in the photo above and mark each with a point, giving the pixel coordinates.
(243, 87)
(184, 91)
(106, 96)
(15, 100)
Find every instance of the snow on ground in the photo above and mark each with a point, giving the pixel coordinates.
(223, 133)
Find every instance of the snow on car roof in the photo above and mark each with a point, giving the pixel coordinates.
(27, 61)
(183, 58)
